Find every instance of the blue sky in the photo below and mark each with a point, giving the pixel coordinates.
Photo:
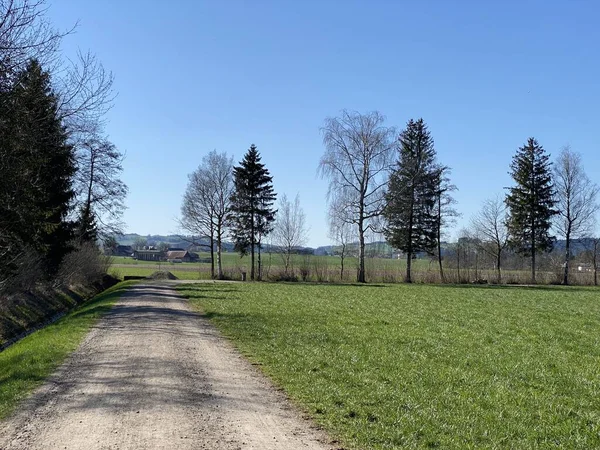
(194, 76)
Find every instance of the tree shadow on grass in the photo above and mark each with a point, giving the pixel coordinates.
(326, 284)
(549, 288)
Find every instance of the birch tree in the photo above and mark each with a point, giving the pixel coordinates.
(576, 201)
(489, 226)
(290, 231)
(358, 157)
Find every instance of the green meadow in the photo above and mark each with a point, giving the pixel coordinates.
(424, 366)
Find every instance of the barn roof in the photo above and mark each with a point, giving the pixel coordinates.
(177, 254)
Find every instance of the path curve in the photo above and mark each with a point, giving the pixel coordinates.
(153, 374)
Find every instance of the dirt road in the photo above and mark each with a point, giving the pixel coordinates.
(153, 374)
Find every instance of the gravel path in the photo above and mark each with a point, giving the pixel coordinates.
(154, 374)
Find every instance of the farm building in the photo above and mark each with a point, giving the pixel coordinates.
(181, 256)
(149, 255)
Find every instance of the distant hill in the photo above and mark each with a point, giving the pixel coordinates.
(173, 240)
(378, 248)
(187, 242)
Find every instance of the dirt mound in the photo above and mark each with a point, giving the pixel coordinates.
(163, 275)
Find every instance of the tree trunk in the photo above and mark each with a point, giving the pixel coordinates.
(498, 271)
(342, 262)
(567, 255)
(442, 277)
(361, 253)
(532, 253)
(458, 262)
(259, 263)
(288, 253)
(219, 250)
(595, 263)
(439, 238)
(409, 252)
(252, 237)
(212, 256)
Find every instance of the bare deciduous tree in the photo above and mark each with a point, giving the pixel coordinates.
(446, 214)
(206, 203)
(290, 231)
(576, 201)
(341, 230)
(98, 185)
(594, 255)
(489, 226)
(25, 34)
(358, 156)
(85, 91)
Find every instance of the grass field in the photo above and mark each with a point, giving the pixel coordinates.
(316, 268)
(26, 364)
(417, 366)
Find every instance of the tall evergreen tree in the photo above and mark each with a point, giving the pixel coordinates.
(531, 202)
(86, 227)
(252, 214)
(412, 193)
(38, 200)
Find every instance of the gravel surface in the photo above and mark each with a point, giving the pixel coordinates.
(153, 374)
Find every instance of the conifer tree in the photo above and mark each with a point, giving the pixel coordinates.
(86, 227)
(412, 193)
(252, 214)
(43, 188)
(531, 202)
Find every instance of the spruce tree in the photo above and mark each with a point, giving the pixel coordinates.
(252, 214)
(42, 192)
(531, 202)
(412, 193)
(87, 227)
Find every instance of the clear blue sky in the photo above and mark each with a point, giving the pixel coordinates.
(193, 76)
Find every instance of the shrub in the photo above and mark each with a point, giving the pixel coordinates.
(84, 266)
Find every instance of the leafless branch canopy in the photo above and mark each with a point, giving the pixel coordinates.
(576, 194)
(489, 225)
(25, 33)
(86, 94)
(206, 201)
(290, 231)
(358, 157)
(98, 184)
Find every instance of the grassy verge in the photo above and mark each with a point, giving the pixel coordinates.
(395, 366)
(29, 362)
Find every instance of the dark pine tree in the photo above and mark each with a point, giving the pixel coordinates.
(252, 214)
(86, 227)
(412, 193)
(46, 160)
(531, 202)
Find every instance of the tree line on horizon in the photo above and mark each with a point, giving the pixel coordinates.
(390, 183)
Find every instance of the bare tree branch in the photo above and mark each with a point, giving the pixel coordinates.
(357, 160)
(290, 231)
(577, 201)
